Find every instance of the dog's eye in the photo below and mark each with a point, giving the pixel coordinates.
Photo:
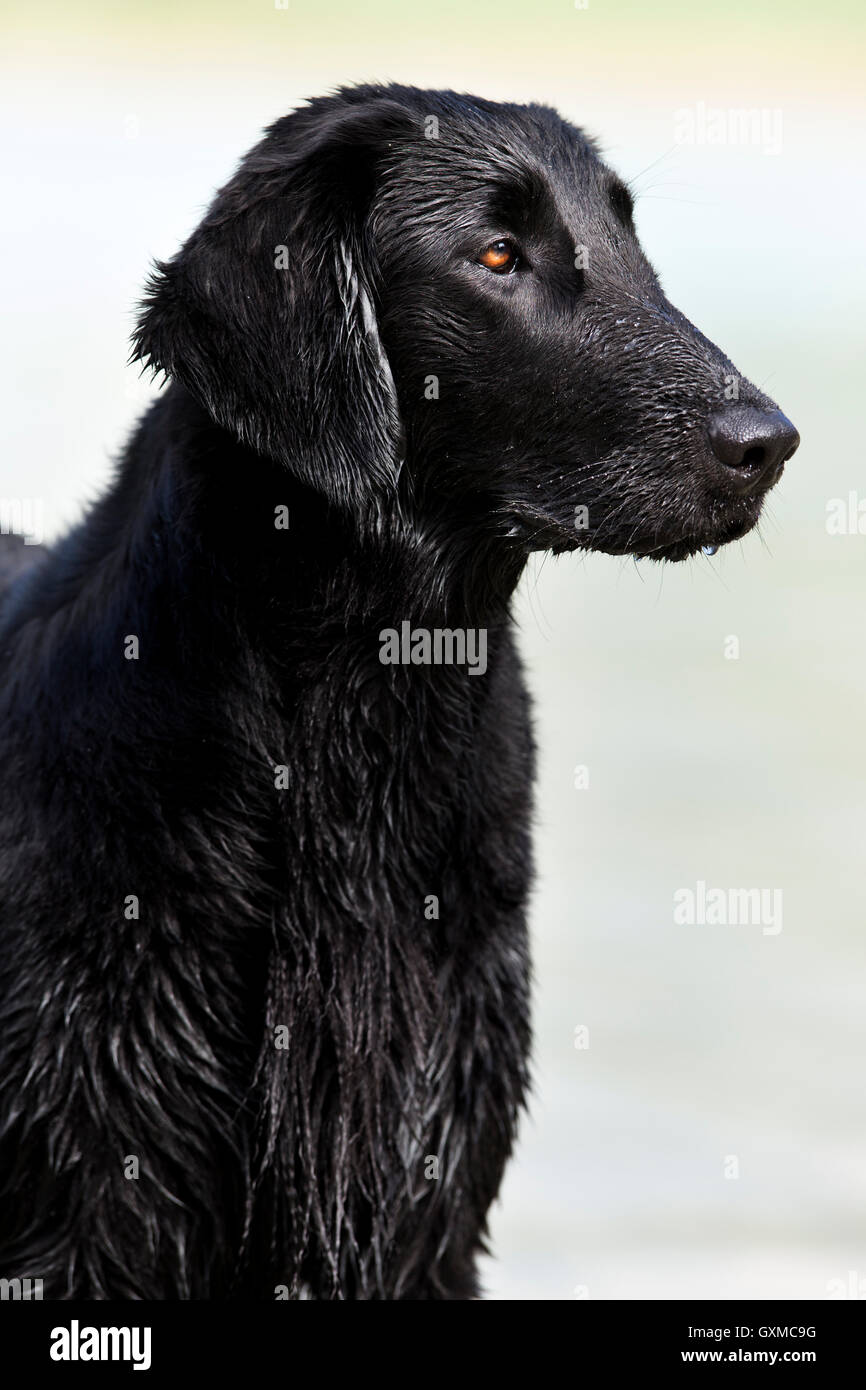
(500, 256)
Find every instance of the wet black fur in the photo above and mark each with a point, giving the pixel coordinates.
(310, 388)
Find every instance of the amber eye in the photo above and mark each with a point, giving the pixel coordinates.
(500, 256)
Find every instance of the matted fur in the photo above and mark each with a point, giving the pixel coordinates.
(296, 900)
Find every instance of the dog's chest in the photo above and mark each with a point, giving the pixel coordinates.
(397, 795)
(399, 946)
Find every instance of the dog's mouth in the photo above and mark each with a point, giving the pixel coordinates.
(538, 529)
(723, 523)
(685, 547)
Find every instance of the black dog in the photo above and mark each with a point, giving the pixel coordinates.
(266, 759)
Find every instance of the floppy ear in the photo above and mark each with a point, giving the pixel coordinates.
(266, 315)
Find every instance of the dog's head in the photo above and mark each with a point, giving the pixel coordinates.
(437, 305)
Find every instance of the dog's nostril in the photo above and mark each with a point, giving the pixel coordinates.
(752, 457)
(753, 443)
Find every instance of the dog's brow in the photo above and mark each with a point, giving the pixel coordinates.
(518, 191)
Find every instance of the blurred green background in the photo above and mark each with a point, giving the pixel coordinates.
(705, 1042)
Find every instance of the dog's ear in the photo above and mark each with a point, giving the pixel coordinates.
(266, 315)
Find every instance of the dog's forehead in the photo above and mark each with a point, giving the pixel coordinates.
(486, 154)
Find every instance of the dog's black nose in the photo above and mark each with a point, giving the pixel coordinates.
(754, 444)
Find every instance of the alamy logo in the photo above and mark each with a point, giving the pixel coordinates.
(75, 1343)
(729, 907)
(22, 516)
(853, 1287)
(23, 1289)
(715, 125)
(438, 646)
(846, 516)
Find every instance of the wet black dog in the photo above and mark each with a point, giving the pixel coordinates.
(266, 763)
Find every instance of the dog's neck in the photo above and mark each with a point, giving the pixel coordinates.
(274, 541)
(201, 530)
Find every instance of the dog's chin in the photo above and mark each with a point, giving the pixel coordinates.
(696, 540)
(540, 530)
(684, 547)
